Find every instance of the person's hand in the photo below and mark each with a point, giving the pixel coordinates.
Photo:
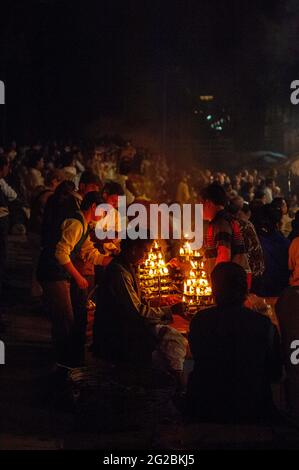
(178, 309)
(184, 266)
(81, 282)
(106, 260)
(174, 263)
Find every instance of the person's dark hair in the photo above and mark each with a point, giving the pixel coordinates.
(269, 181)
(63, 200)
(259, 194)
(64, 190)
(233, 207)
(93, 197)
(237, 204)
(214, 193)
(60, 206)
(125, 167)
(67, 159)
(113, 188)
(277, 202)
(128, 243)
(267, 219)
(262, 184)
(88, 177)
(33, 157)
(246, 208)
(3, 161)
(227, 187)
(229, 284)
(52, 175)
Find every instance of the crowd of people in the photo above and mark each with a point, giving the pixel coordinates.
(50, 193)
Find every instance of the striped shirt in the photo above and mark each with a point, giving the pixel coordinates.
(224, 231)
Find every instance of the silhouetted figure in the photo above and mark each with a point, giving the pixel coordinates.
(236, 353)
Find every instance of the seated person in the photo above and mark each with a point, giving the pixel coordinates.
(126, 328)
(236, 355)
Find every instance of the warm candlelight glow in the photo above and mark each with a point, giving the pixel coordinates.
(154, 277)
(197, 291)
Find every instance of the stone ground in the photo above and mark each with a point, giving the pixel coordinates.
(31, 420)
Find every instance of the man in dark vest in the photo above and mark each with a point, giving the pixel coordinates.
(66, 248)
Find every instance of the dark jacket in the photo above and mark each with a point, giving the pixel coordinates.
(276, 275)
(237, 355)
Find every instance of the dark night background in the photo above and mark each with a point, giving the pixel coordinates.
(144, 63)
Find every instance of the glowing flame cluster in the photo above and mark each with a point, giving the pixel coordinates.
(155, 263)
(195, 286)
(197, 290)
(187, 251)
